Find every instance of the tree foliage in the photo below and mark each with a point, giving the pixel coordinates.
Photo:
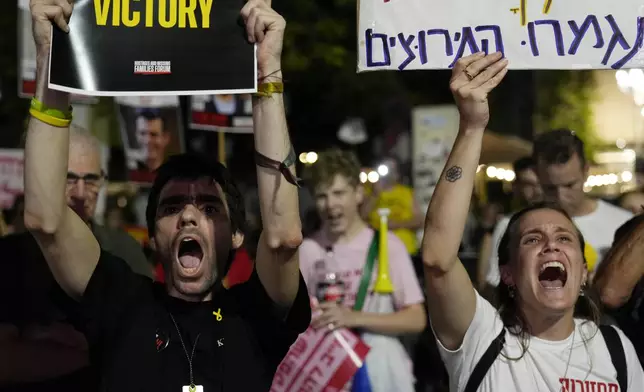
(320, 62)
(564, 100)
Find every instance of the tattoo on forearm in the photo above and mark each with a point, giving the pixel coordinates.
(454, 173)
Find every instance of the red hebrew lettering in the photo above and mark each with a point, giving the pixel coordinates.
(299, 347)
(329, 356)
(287, 366)
(310, 383)
(580, 384)
(565, 383)
(591, 386)
(278, 380)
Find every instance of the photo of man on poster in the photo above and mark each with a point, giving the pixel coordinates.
(151, 131)
(152, 138)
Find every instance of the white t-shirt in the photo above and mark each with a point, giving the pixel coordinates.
(544, 367)
(598, 229)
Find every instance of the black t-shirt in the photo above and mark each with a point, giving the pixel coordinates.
(630, 318)
(125, 317)
(28, 292)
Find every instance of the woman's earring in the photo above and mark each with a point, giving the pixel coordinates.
(582, 290)
(511, 291)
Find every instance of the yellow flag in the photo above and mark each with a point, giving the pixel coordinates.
(591, 257)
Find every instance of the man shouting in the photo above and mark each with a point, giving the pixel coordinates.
(188, 334)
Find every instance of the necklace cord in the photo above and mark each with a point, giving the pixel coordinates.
(185, 350)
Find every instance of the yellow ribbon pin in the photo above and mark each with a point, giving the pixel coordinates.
(218, 315)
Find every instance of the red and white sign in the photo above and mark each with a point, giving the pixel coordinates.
(11, 176)
(320, 361)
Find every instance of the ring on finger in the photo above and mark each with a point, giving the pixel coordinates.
(468, 74)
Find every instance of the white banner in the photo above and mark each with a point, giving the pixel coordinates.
(544, 34)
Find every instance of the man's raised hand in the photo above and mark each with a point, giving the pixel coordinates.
(43, 12)
(473, 77)
(265, 27)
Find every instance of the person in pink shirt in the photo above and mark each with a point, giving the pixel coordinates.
(341, 246)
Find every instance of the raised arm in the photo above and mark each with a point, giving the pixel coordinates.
(451, 298)
(65, 240)
(622, 269)
(277, 258)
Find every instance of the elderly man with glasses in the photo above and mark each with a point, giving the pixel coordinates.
(39, 350)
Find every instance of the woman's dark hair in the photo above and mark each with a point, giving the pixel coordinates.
(192, 167)
(507, 298)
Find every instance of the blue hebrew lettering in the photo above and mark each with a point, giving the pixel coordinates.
(449, 49)
(369, 38)
(498, 38)
(580, 32)
(639, 42)
(557, 33)
(466, 39)
(406, 43)
(422, 47)
(617, 38)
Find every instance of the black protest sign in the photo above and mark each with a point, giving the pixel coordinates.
(154, 47)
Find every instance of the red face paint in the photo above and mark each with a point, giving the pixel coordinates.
(192, 212)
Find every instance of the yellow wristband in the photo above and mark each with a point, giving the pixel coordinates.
(267, 89)
(40, 107)
(49, 119)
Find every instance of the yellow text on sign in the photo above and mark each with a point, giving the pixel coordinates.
(171, 13)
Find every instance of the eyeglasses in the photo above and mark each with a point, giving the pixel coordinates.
(91, 180)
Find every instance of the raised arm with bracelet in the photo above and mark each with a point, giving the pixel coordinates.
(451, 298)
(277, 263)
(66, 241)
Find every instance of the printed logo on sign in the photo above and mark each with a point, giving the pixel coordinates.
(152, 67)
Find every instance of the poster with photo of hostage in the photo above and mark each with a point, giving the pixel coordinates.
(223, 113)
(151, 130)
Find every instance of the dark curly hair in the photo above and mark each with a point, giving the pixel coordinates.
(509, 309)
(192, 167)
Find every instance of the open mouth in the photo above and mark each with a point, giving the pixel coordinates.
(334, 218)
(553, 275)
(189, 254)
